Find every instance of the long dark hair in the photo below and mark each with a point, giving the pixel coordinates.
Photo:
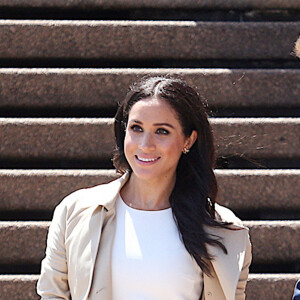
(195, 191)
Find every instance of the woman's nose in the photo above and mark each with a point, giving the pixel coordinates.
(147, 142)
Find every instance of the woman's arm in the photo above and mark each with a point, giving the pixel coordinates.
(241, 287)
(53, 281)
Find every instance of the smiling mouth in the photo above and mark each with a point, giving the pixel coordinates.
(147, 160)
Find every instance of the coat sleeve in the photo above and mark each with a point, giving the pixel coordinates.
(241, 286)
(53, 281)
(296, 295)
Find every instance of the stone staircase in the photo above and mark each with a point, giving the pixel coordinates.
(65, 65)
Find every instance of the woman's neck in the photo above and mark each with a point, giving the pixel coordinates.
(147, 195)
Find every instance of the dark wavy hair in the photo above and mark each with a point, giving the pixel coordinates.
(193, 197)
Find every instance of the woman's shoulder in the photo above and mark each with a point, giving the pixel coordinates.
(224, 214)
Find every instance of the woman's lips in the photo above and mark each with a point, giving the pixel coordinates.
(147, 160)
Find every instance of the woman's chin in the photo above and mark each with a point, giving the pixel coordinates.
(145, 175)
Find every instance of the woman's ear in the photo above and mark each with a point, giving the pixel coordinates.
(191, 139)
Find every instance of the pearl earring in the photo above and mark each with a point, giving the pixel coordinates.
(185, 150)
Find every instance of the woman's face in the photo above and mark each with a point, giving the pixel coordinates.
(154, 140)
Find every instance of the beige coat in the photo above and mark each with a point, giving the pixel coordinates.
(78, 257)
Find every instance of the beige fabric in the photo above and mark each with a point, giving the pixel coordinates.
(86, 219)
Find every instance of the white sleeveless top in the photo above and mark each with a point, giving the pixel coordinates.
(149, 261)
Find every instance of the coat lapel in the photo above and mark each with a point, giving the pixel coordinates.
(228, 266)
(102, 197)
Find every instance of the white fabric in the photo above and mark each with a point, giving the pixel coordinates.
(149, 261)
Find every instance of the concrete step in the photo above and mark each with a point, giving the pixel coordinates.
(157, 4)
(44, 189)
(273, 241)
(129, 40)
(18, 287)
(251, 190)
(56, 138)
(259, 189)
(92, 138)
(104, 88)
(260, 286)
(271, 286)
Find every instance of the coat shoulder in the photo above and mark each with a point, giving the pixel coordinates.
(87, 197)
(224, 214)
(99, 195)
(82, 196)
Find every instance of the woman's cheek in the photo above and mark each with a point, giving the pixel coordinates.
(129, 146)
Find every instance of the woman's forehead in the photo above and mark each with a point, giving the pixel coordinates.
(153, 108)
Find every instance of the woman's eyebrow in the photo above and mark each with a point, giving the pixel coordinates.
(156, 124)
(135, 121)
(164, 124)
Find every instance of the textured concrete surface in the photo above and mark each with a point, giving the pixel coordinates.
(259, 189)
(104, 88)
(91, 138)
(165, 4)
(238, 189)
(271, 286)
(56, 138)
(257, 137)
(22, 242)
(260, 286)
(122, 40)
(44, 189)
(18, 287)
(273, 241)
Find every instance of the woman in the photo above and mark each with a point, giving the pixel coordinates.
(156, 232)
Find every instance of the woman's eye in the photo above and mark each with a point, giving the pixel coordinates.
(162, 131)
(136, 128)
